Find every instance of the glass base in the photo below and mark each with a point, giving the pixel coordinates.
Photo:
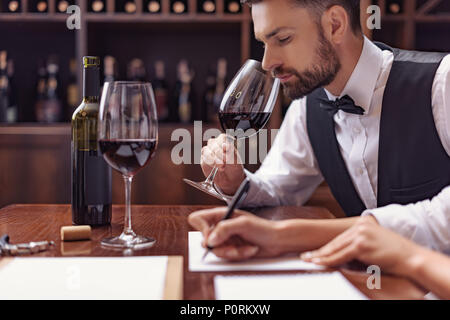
(209, 189)
(128, 241)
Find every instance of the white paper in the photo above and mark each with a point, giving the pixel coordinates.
(84, 278)
(215, 264)
(317, 286)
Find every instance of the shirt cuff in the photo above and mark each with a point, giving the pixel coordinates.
(401, 220)
(254, 191)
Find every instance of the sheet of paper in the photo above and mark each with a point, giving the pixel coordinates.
(84, 278)
(214, 264)
(317, 286)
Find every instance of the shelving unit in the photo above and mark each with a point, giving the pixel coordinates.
(200, 38)
(417, 15)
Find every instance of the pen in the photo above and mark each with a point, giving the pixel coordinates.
(234, 204)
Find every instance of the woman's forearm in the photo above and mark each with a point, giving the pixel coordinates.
(431, 270)
(300, 235)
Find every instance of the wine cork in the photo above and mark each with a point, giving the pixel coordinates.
(74, 233)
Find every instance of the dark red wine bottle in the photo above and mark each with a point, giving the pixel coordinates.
(161, 92)
(91, 175)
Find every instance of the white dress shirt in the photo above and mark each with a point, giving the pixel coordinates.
(290, 173)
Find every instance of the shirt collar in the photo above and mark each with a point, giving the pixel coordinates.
(361, 85)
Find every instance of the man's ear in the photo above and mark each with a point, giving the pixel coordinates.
(336, 23)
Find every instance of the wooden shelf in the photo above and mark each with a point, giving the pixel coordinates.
(163, 18)
(414, 13)
(233, 36)
(400, 31)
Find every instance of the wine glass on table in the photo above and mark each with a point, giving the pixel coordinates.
(128, 137)
(245, 109)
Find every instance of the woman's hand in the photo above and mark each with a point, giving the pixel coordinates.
(369, 243)
(242, 237)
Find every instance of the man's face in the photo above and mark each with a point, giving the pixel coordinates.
(296, 50)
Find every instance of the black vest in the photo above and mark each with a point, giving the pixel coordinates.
(412, 163)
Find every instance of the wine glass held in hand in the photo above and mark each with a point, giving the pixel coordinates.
(245, 109)
(128, 137)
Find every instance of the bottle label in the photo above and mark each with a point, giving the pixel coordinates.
(51, 111)
(11, 115)
(97, 179)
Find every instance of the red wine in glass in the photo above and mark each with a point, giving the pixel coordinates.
(247, 104)
(128, 156)
(128, 135)
(243, 120)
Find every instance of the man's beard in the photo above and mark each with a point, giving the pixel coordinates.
(322, 73)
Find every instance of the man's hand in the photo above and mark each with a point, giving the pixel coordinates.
(242, 237)
(369, 243)
(221, 153)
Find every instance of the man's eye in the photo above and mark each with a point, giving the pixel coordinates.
(284, 40)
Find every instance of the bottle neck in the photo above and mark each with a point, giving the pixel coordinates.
(91, 85)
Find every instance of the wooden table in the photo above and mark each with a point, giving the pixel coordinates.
(168, 224)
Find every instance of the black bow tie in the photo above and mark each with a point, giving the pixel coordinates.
(346, 104)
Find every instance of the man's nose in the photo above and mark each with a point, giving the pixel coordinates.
(270, 61)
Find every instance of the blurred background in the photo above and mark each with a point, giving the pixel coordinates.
(146, 40)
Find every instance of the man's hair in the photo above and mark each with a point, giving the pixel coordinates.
(318, 7)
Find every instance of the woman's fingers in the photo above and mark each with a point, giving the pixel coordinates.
(203, 220)
(339, 243)
(236, 253)
(224, 230)
(338, 258)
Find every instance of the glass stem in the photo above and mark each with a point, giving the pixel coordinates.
(211, 177)
(127, 229)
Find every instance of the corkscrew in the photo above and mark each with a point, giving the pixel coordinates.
(7, 249)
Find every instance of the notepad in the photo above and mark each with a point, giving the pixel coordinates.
(83, 278)
(317, 286)
(215, 264)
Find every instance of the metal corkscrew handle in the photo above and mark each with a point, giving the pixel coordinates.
(7, 249)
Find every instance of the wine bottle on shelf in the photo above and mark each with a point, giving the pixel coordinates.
(130, 6)
(4, 87)
(136, 70)
(41, 89)
(220, 87)
(72, 89)
(179, 6)
(91, 175)
(52, 106)
(394, 7)
(208, 96)
(153, 6)
(13, 110)
(184, 92)
(13, 6)
(161, 90)
(8, 102)
(206, 6)
(62, 5)
(42, 6)
(97, 6)
(232, 6)
(110, 69)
